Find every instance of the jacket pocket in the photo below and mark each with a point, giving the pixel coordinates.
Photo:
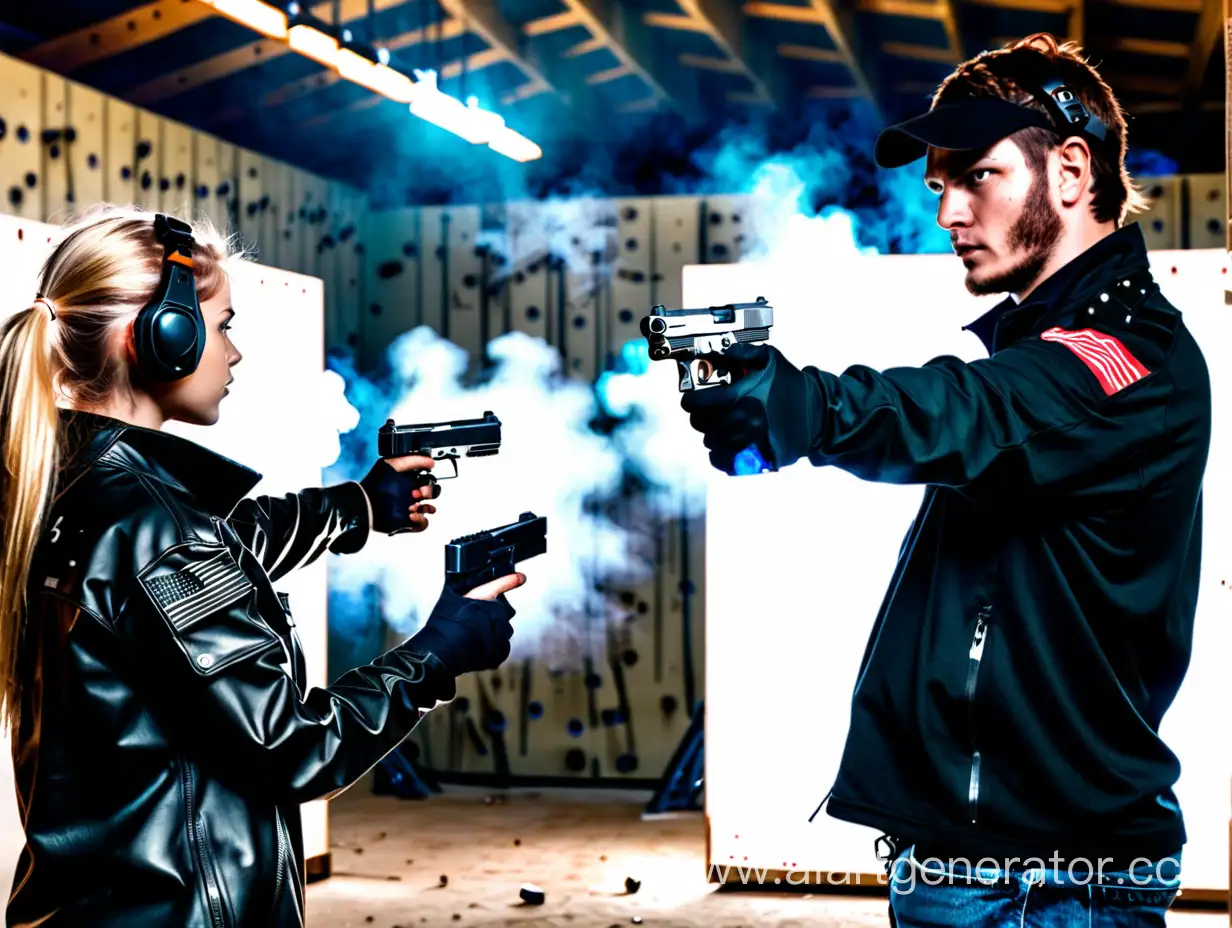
(203, 855)
(975, 656)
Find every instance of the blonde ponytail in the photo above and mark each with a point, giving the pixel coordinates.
(68, 350)
(28, 428)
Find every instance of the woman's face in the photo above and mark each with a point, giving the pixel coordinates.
(195, 398)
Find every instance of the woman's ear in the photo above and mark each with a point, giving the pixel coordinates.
(130, 343)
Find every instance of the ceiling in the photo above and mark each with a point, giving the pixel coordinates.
(642, 77)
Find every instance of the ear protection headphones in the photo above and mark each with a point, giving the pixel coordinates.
(169, 332)
(1065, 108)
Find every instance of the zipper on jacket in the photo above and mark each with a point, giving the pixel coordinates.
(197, 838)
(974, 656)
(282, 862)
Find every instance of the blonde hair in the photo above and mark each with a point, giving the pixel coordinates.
(105, 268)
(1003, 73)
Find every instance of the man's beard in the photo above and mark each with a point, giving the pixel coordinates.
(1035, 233)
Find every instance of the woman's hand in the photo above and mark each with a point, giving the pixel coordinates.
(398, 491)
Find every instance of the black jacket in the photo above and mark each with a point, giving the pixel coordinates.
(1039, 621)
(167, 734)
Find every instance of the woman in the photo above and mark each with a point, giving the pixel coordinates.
(163, 732)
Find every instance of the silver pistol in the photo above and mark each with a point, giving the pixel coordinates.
(685, 335)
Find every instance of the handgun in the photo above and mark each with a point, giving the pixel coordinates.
(442, 441)
(473, 560)
(685, 335)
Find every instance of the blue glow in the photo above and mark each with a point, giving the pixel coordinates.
(750, 461)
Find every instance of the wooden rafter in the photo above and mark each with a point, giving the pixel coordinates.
(121, 33)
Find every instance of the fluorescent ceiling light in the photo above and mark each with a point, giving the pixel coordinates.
(254, 14)
(514, 145)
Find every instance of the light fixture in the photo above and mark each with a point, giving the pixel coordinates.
(514, 145)
(369, 67)
(258, 16)
(311, 37)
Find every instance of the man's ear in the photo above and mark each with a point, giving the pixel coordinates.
(1074, 165)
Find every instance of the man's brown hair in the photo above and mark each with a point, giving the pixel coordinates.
(1002, 73)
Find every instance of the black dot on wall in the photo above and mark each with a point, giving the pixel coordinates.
(375, 309)
(410, 249)
(146, 180)
(629, 213)
(577, 364)
(719, 250)
(164, 184)
(1158, 225)
(389, 269)
(668, 704)
(574, 727)
(631, 244)
(352, 340)
(1214, 226)
(143, 150)
(126, 173)
(54, 152)
(532, 313)
(628, 657)
(180, 181)
(593, 681)
(31, 179)
(23, 134)
(16, 195)
(626, 316)
(626, 763)
(470, 280)
(535, 709)
(643, 607)
(575, 760)
(716, 219)
(579, 322)
(4, 129)
(92, 161)
(677, 248)
(252, 172)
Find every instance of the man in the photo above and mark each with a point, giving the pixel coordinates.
(1004, 727)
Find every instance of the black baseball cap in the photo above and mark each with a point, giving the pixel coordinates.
(960, 125)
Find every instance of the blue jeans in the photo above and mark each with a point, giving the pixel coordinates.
(957, 893)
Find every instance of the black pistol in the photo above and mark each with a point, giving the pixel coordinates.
(474, 560)
(442, 441)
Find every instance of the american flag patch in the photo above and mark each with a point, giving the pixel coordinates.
(1105, 356)
(199, 589)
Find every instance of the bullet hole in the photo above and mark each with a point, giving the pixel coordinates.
(146, 180)
(352, 340)
(470, 280)
(389, 269)
(286, 234)
(31, 179)
(265, 202)
(668, 704)
(374, 309)
(574, 727)
(610, 717)
(626, 316)
(719, 250)
(1155, 191)
(223, 189)
(631, 244)
(579, 322)
(532, 313)
(143, 150)
(1214, 226)
(440, 252)
(643, 607)
(628, 657)
(716, 219)
(54, 152)
(164, 184)
(132, 25)
(676, 247)
(4, 129)
(575, 760)
(1158, 225)
(629, 213)
(92, 161)
(626, 763)
(534, 709)
(252, 172)
(23, 134)
(16, 196)
(345, 234)
(251, 209)
(410, 249)
(126, 173)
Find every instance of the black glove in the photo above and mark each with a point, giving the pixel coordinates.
(466, 634)
(771, 406)
(389, 491)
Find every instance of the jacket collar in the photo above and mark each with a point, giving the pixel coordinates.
(215, 481)
(1116, 255)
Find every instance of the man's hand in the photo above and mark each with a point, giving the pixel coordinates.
(771, 405)
(396, 489)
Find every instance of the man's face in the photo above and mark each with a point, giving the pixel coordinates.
(1000, 216)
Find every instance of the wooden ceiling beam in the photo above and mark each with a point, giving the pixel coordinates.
(120, 33)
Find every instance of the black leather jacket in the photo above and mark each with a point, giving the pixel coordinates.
(167, 733)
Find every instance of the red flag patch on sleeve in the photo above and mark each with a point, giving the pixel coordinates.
(1105, 356)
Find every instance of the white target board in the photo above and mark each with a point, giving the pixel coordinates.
(271, 422)
(798, 563)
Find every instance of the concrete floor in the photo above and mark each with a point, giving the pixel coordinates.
(578, 846)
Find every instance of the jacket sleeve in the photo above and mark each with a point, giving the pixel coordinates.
(292, 531)
(223, 680)
(1032, 417)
